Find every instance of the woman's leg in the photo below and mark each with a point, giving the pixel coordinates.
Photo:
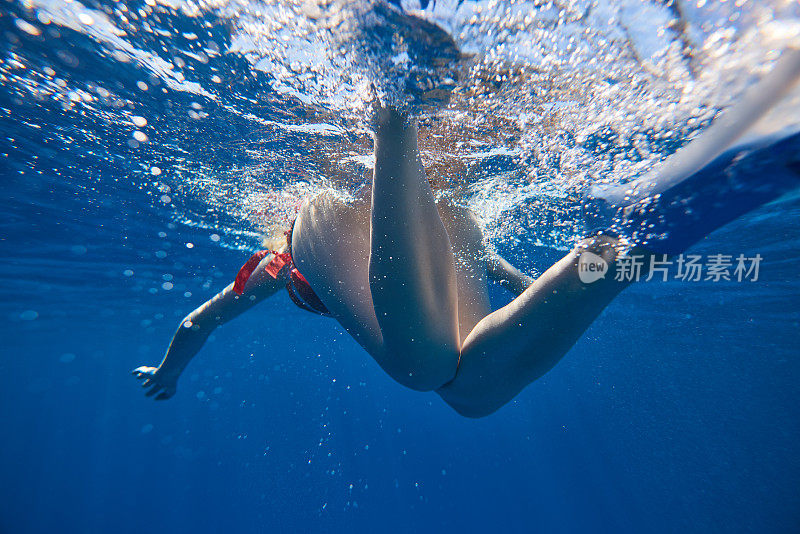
(515, 345)
(411, 266)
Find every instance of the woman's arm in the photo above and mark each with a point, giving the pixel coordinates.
(195, 328)
(507, 275)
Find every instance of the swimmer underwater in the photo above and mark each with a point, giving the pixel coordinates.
(407, 277)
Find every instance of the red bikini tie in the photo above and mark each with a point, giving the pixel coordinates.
(273, 268)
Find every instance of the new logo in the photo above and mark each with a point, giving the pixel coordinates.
(591, 267)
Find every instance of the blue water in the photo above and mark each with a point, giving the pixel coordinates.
(676, 411)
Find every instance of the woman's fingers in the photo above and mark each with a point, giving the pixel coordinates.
(148, 377)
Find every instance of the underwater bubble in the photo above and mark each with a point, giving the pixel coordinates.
(140, 136)
(214, 237)
(27, 27)
(201, 395)
(155, 171)
(161, 254)
(85, 18)
(133, 143)
(67, 357)
(166, 199)
(29, 315)
(167, 286)
(187, 294)
(140, 122)
(121, 56)
(127, 272)
(78, 250)
(141, 85)
(146, 429)
(189, 245)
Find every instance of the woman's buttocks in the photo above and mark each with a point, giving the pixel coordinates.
(331, 234)
(331, 244)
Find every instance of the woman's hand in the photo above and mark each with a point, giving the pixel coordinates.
(163, 385)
